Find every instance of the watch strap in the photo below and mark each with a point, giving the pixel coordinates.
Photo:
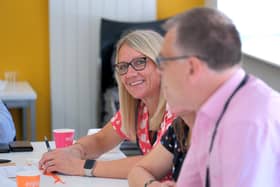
(88, 167)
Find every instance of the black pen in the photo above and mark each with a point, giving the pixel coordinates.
(4, 161)
(47, 144)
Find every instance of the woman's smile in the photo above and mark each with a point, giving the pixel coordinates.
(136, 83)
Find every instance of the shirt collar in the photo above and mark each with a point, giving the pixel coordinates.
(215, 103)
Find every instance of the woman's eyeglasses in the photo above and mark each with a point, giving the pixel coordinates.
(138, 64)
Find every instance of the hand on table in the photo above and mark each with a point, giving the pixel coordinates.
(61, 160)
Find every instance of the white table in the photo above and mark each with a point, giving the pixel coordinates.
(70, 181)
(21, 95)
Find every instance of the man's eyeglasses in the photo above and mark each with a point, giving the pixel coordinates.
(138, 64)
(160, 59)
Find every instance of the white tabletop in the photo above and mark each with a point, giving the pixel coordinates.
(21, 158)
(17, 91)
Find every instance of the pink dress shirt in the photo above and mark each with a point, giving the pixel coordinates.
(246, 150)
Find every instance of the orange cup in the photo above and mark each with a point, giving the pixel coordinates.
(63, 137)
(28, 178)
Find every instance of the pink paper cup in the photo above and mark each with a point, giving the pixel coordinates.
(63, 137)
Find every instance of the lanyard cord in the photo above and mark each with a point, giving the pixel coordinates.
(241, 84)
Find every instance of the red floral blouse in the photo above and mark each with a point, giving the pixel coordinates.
(143, 127)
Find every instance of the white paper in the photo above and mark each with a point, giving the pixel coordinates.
(4, 181)
(10, 171)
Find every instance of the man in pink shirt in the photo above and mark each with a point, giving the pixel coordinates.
(236, 136)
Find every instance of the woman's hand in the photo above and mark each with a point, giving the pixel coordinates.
(61, 160)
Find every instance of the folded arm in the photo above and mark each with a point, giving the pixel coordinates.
(155, 165)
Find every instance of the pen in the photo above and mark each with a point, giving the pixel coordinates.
(4, 161)
(47, 144)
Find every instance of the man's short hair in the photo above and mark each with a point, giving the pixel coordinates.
(207, 33)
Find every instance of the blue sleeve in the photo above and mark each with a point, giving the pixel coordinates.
(7, 127)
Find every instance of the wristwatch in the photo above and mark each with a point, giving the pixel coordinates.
(88, 167)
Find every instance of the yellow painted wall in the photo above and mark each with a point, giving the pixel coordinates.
(24, 48)
(168, 8)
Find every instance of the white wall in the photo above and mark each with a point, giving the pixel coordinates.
(211, 3)
(74, 55)
(265, 70)
(268, 72)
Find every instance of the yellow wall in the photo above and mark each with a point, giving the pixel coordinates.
(167, 8)
(24, 48)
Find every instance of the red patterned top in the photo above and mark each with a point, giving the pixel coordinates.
(143, 127)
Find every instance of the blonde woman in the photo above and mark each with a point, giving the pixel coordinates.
(142, 117)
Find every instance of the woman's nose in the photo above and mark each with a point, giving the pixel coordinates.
(131, 70)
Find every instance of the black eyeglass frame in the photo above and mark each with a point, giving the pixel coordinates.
(160, 59)
(131, 63)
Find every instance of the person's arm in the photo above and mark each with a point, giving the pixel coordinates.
(7, 128)
(91, 146)
(69, 160)
(115, 168)
(62, 162)
(155, 165)
(94, 145)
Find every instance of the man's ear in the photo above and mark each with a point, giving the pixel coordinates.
(195, 68)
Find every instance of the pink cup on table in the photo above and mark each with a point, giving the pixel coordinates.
(63, 137)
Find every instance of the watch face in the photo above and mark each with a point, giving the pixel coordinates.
(89, 164)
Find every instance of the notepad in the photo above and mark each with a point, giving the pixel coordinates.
(4, 181)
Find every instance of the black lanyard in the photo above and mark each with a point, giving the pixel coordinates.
(241, 84)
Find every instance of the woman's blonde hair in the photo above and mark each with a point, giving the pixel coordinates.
(148, 43)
